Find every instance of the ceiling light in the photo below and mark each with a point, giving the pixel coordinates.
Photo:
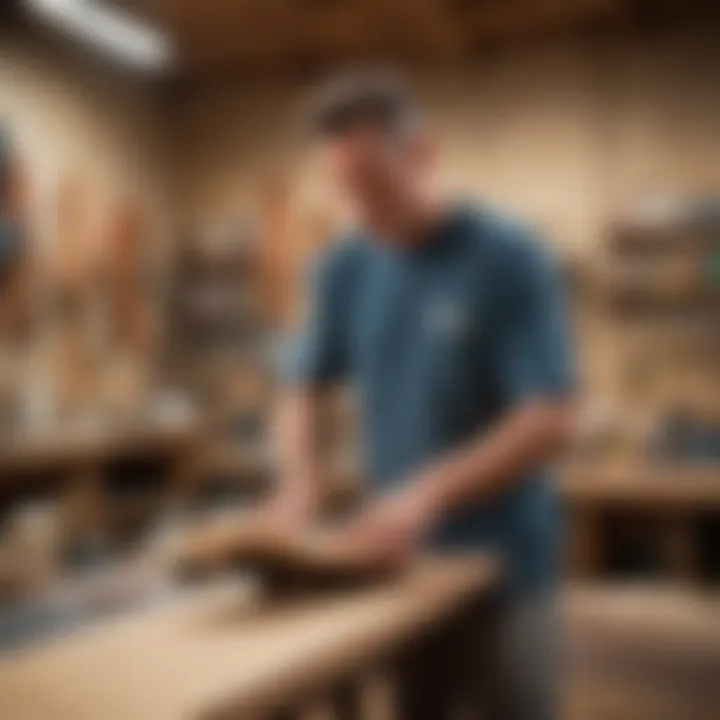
(110, 30)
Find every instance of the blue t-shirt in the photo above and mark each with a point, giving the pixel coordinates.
(440, 340)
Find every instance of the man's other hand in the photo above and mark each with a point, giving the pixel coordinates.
(288, 512)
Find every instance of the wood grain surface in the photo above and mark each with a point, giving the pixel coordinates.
(644, 485)
(308, 558)
(219, 653)
(32, 452)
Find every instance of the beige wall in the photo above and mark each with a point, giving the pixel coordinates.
(567, 134)
(75, 118)
(79, 122)
(563, 133)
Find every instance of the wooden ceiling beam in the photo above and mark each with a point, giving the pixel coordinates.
(212, 33)
(503, 20)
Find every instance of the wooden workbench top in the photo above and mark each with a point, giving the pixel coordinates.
(672, 486)
(220, 651)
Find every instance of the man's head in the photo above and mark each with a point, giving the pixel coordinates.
(369, 138)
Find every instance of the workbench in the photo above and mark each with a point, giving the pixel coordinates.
(675, 496)
(71, 463)
(221, 652)
(78, 446)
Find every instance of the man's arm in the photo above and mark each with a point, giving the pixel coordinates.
(526, 438)
(534, 372)
(297, 454)
(521, 441)
(315, 361)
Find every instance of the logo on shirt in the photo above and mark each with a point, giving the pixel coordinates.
(446, 318)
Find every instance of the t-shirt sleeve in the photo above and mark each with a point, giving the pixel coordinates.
(316, 353)
(535, 349)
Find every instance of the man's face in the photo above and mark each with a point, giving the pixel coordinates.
(374, 176)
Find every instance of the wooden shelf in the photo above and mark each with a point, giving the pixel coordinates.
(679, 232)
(35, 452)
(74, 470)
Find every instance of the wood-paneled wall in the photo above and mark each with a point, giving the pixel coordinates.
(568, 134)
(564, 133)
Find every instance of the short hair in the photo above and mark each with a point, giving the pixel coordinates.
(380, 100)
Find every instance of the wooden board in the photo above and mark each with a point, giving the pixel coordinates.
(288, 562)
(219, 654)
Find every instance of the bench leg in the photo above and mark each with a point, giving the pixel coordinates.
(454, 669)
(425, 679)
(287, 714)
(482, 657)
(346, 700)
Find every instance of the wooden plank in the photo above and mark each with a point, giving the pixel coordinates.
(220, 655)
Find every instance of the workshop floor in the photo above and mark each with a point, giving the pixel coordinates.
(632, 654)
(642, 654)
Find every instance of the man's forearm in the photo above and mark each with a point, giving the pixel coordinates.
(296, 448)
(520, 442)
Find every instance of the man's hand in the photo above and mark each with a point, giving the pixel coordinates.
(389, 531)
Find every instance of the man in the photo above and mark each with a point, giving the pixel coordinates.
(449, 320)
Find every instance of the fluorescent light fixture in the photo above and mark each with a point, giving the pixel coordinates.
(111, 30)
